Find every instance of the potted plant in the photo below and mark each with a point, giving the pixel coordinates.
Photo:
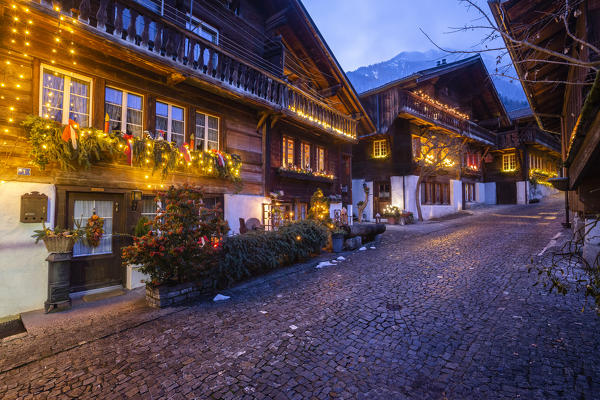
(58, 240)
(391, 213)
(406, 217)
(337, 239)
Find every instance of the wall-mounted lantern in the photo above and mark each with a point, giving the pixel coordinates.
(136, 197)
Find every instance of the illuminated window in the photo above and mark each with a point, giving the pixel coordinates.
(380, 148)
(320, 159)
(207, 132)
(305, 156)
(473, 160)
(509, 162)
(170, 120)
(64, 96)
(287, 159)
(124, 111)
(469, 192)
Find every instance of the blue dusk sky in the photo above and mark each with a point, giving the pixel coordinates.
(363, 32)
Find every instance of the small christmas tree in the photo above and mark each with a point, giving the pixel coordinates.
(319, 208)
(182, 241)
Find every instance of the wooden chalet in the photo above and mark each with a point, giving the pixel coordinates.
(455, 98)
(245, 95)
(524, 159)
(564, 98)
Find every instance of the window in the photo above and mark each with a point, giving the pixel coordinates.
(384, 191)
(287, 159)
(473, 160)
(83, 210)
(509, 162)
(305, 156)
(124, 111)
(433, 193)
(301, 210)
(170, 120)
(320, 159)
(65, 96)
(202, 29)
(149, 207)
(207, 132)
(380, 148)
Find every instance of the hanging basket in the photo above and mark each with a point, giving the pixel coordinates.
(59, 244)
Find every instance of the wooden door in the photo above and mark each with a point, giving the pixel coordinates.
(96, 267)
(506, 192)
(382, 196)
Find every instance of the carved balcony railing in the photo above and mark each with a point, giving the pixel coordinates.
(413, 104)
(516, 138)
(135, 26)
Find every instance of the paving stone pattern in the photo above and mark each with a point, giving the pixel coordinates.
(448, 314)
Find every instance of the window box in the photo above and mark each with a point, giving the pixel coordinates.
(297, 173)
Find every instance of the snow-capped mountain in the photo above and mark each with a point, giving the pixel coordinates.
(407, 63)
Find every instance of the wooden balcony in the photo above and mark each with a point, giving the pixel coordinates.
(529, 135)
(166, 39)
(412, 105)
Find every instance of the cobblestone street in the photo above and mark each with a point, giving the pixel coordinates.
(442, 310)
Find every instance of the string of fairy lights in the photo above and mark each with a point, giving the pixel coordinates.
(451, 110)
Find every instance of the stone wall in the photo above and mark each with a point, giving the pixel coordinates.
(167, 296)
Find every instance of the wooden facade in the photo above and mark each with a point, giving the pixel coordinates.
(562, 95)
(231, 65)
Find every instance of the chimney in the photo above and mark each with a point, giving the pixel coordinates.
(443, 61)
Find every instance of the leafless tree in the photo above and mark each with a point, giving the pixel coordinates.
(438, 154)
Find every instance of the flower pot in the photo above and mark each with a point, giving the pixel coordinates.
(59, 244)
(337, 243)
(391, 220)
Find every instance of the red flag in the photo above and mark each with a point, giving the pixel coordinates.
(129, 147)
(185, 150)
(69, 133)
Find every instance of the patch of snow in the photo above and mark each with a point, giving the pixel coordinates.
(362, 249)
(340, 258)
(323, 264)
(293, 327)
(372, 247)
(263, 312)
(221, 297)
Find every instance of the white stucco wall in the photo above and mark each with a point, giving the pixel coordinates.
(480, 192)
(398, 190)
(358, 194)
(521, 192)
(434, 211)
(490, 192)
(242, 206)
(23, 269)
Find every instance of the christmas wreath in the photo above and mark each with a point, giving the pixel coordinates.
(94, 230)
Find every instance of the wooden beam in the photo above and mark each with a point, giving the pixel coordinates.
(330, 91)
(175, 78)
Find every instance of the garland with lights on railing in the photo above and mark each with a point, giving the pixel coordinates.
(77, 148)
(541, 176)
(451, 110)
(307, 171)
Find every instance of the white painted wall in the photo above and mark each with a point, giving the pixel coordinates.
(480, 192)
(23, 269)
(242, 206)
(521, 192)
(490, 192)
(397, 191)
(135, 278)
(435, 211)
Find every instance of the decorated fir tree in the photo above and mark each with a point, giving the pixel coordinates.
(319, 208)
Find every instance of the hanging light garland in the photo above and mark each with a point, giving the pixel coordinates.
(451, 110)
(309, 172)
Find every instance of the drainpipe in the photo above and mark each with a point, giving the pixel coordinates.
(403, 193)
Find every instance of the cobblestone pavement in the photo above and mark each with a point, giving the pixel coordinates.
(445, 313)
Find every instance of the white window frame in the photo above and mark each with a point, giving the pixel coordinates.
(124, 94)
(380, 148)
(509, 162)
(170, 118)
(66, 93)
(205, 138)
